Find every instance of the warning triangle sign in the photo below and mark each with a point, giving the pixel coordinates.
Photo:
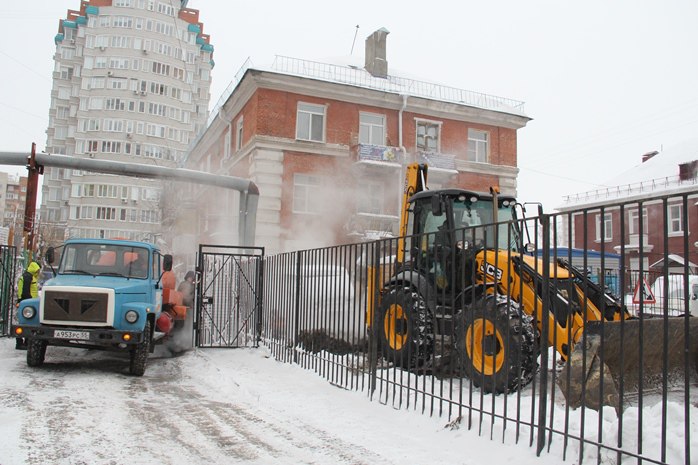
(643, 293)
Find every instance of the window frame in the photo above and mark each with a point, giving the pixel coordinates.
(309, 189)
(634, 221)
(608, 227)
(311, 109)
(477, 152)
(369, 127)
(428, 124)
(674, 220)
(371, 194)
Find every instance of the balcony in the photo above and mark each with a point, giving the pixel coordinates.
(436, 160)
(376, 158)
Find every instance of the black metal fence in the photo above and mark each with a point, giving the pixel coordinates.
(583, 346)
(8, 267)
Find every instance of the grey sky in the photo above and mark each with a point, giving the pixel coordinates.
(604, 81)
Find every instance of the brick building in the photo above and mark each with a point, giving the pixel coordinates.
(660, 186)
(327, 145)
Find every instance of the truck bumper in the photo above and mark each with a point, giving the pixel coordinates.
(79, 337)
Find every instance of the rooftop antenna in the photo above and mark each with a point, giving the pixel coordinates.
(352, 44)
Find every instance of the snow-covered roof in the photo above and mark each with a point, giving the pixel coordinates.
(349, 71)
(658, 175)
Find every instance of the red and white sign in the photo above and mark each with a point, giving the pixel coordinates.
(643, 293)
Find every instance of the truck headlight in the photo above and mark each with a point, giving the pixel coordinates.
(131, 316)
(28, 312)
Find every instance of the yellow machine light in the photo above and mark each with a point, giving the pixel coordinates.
(126, 337)
(18, 331)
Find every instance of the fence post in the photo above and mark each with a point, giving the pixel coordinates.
(296, 307)
(372, 340)
(545, 295)
(7, 267)
(260, 296)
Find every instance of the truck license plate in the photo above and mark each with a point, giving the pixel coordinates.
(63, 334)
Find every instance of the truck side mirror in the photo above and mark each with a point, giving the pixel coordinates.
(167, 263)
(50, 255)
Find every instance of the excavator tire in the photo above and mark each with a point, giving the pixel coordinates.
(496, 345)
(405, 328)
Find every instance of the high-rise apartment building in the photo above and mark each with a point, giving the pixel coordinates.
(131, 83)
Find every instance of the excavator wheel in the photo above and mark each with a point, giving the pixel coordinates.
(405, 328)
(496, 345)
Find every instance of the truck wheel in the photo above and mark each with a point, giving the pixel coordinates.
(139, 354)
(404, 327)
(36, 352)
(496, 345)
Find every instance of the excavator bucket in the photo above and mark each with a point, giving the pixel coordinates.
(622, 358)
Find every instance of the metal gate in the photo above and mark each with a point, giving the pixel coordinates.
(229, 296)
(8, 269)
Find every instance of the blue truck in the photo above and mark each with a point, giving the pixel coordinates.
(107, 295)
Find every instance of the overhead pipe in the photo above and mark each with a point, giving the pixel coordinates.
(249, 193)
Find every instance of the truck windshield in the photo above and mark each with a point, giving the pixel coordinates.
(105, 260)
(475, 213)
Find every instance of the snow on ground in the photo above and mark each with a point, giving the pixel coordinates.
(231, 407)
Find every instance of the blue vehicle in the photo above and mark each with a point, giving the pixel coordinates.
(106, 294)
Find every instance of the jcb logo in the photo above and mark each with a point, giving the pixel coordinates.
(491, 270)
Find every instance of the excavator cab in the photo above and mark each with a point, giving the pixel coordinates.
(446, 226)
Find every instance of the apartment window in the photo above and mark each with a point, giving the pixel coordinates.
(106, 213)
(478, 146)
(675, 219)
(371, 198)
(310, 122)
(607, 227)
(306, 194)
(371, 129)
(150, 216)
(66, 72)
(60, 132)
(428, 136)
(634, 221)
(64, 93)
(227, 142)
(238, 135)
(123, 3)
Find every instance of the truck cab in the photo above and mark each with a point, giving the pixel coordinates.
(106, 294)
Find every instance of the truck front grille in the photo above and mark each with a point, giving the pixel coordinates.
(75, 307)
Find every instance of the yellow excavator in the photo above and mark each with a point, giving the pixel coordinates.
(462, 285)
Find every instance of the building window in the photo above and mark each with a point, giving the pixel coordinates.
(306, 194)
(371, 198)
(371, 129)
(634, 222)
(607, 227)
(428, 136)
(227, 142)
(478, 146)
(310, 122)
(675, 219)
(238, 135)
